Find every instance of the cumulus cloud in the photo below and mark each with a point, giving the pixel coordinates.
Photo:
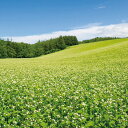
(113, 30)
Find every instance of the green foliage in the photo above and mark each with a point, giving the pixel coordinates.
(84, 86)
(10, 49)
(70, 40)
(98, 39)
(60, 44)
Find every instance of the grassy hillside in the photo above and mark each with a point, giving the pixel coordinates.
(81, 86)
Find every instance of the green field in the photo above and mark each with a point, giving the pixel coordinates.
(83, 86)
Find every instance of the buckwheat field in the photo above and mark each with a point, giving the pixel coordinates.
(83, 86)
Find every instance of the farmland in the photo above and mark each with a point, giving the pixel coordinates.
(82, 86)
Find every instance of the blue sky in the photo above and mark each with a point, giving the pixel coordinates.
(36, 17)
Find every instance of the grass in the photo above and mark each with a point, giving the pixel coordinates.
(83, 86)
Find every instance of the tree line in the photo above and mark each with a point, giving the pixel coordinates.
(9, 49)
(99, 39)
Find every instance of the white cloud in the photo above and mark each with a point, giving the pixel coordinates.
(101, 7)
(87, 26)
(113, 30)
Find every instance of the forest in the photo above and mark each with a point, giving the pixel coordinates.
(99, 39)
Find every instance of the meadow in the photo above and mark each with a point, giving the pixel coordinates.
(83, 86)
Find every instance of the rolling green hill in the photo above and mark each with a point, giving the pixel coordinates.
(82, 86)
